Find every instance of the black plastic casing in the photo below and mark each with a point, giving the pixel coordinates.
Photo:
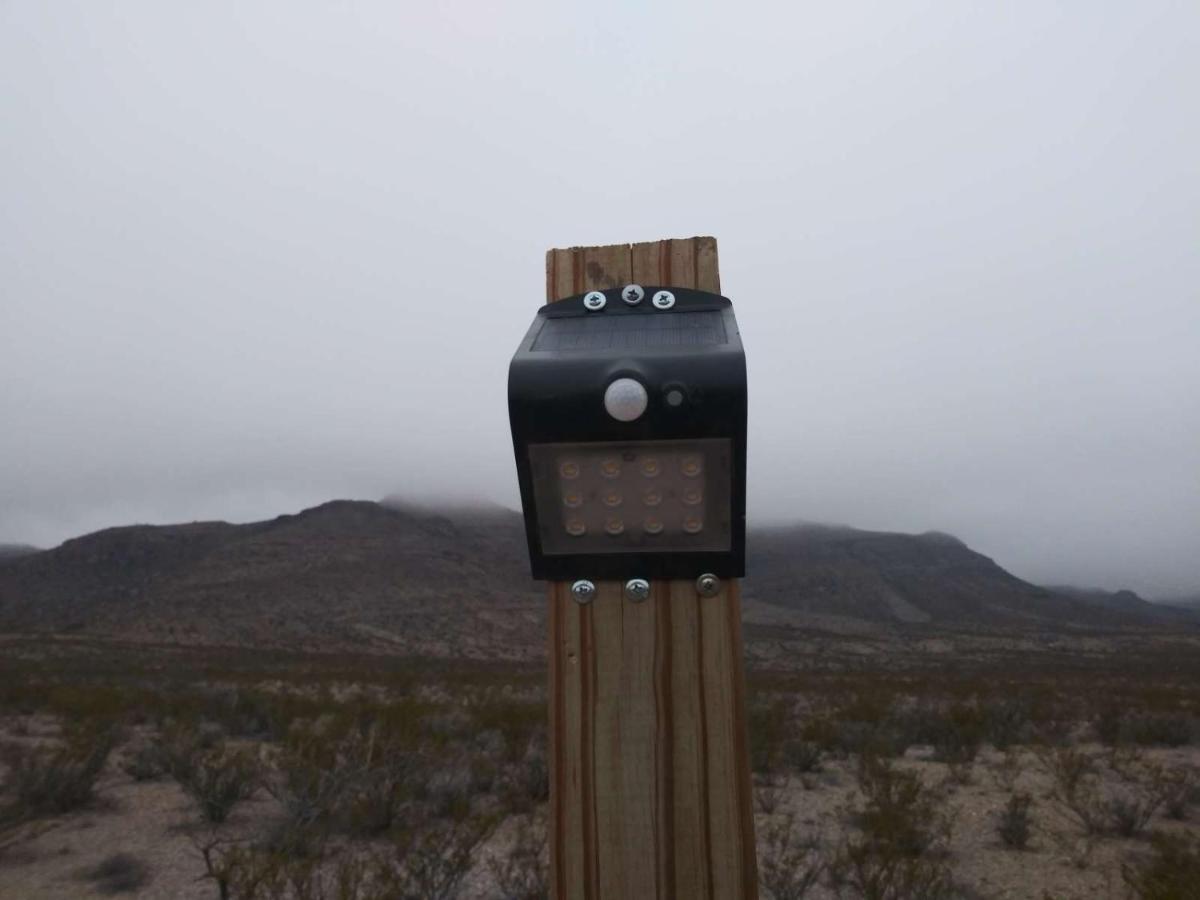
(557, 396)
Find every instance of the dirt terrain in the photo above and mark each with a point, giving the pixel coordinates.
(1072, 775)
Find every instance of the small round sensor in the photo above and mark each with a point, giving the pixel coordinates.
(626, 399)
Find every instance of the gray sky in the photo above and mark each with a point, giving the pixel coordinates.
(254, 256)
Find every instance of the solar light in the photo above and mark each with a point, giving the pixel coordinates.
(629, 429)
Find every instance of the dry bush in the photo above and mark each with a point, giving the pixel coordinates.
(769, 792)
(1006, 772)
(1015, 824)
(802, 756)
(861, 868)
(1181, 788)
(432, 864)
(900, 815)
(903, 833)
(1171, 872)
(121, 873)
(1114, 725)
(524, 874)
(46, 780)
(146, 763)
(217, 779)
(768, 722)
(789, 866)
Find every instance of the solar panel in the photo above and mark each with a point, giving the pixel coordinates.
(682, 329)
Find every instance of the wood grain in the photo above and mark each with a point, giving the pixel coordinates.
(649, 766)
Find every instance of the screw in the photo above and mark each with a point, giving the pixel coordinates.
(633, 294)
(708, 585)
(663, 300)
(583, 591)
(637, 589)
(594, 300)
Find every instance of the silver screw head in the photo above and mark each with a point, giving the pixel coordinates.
(594, 300)
(637, 589)
(583, 591)
(663, 300)
(633, 294)
(708, 585)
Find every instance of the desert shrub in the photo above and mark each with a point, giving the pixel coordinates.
(802, 756)
(1015, 824)
(900, 816)
(432, 864)
(959, 733)
(518, 721)
(789, 865)
(121, 873)
(524, 873)
(769, 791)
(1113, 725)
(1008, 770)
(860, 867)
(217, 780)
(146, 763)
(1170, 872)
(1179, 791)
(1130, 805)
(1162, 729)
(309, 791)
(1067, 766)
(525, 784)
(49, 780)
(768, 724)
(1008, 721)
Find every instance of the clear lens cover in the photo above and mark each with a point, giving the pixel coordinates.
(650, 496)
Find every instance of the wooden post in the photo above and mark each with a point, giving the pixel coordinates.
(649, 764)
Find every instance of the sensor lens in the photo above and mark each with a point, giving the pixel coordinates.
(626, 399)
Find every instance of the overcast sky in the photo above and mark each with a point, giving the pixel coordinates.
(254, 256)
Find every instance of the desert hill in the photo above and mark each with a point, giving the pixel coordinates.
(395, 577)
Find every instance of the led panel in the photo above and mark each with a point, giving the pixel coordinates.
(649, 496)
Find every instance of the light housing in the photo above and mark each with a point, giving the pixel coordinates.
(656, 495)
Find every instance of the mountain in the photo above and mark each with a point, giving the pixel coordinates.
(395, 577)
(1189, 601)
(1126, 601)
(342, 575)
(905, 578)
(12, 551)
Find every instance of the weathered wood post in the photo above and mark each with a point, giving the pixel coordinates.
(650, 793)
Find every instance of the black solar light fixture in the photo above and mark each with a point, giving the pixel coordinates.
(628, 415)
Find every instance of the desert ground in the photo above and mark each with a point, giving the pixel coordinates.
(1062, 769)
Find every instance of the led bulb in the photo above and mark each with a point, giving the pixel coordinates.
(614, 526)
(568, 469)
(572, 499)
(692, 496)
(612, 498)
(652, 525)
(576, 528)
(693, 524)
(692, 466)
(652, 497)
(610, 468)
(650, 467)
